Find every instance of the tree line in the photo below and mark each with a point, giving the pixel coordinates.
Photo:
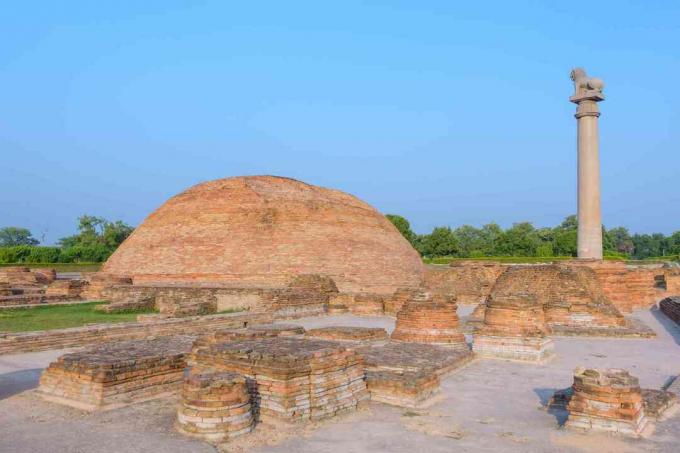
(96, 239)
(523, 239)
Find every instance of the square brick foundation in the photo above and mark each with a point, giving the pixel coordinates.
(524, 349)
(117, 374)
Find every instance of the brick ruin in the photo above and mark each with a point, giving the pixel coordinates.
(25, 286)
(113, 375)
(344, 333)
(291, 379)
(469, 281)
(514, 328)
(408, 374)
(259, 231)
(570, 298)
(670, 307)
(607, 400)
(430, 321)
(215, 406)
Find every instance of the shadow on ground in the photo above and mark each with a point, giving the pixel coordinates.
(559, 412)
(18, 381)
(671, 327)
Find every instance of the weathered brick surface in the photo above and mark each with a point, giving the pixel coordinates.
(259, 231)
(305, 295)
(18, 276)
(430, 321)
(12, 343)
(98, 282)
(291, 379)
(627, 287)
(670, 307)
(606, 400)
(215, 406)
(672, 281)
(68, 288)
(345, 333)
(407, 374)
(117, 374)
(469, 281)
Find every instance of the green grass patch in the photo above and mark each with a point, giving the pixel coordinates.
(59, 317)
(59, 267)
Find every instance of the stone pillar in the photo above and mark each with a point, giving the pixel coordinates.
(588, 92)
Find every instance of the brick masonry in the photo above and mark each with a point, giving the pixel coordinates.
(260, 231)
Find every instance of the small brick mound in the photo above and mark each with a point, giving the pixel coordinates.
(345, 333)
(514, 328)
(404, 389)
(367, 305)
(117, 374)
(407, 374)
(431, 321)
(291, 379)
(98, 282)
(215, 406)
(670, 307)
(606, 400)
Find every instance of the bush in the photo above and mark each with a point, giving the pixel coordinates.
(30, 254)
(85, 253)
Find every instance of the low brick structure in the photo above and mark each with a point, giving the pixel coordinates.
(71, 289)
(215, 406)
(606, 400)
(367, 305)
(98, 282)
(345, 333)
(514, 328)
(18, 276)
(431, 321)
(117, 374)
(407, 374)
(670, 307)
(291, 379)
(12, 343)
(305, 295)
(470, 281)
(392, 304)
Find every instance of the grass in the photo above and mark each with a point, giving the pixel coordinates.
(60, 267)
(59, 317)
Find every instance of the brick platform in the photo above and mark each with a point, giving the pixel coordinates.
(606, 400)
(407, 374)
(344, 333)
(431, 321)
(117, 374)
(12, 343)
(215, 407)
(292, 379)
(470, 281)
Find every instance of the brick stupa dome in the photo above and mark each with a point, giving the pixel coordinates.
(260, 231)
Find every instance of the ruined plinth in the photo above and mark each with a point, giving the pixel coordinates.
(346, 333)
(431, 321)
(291, 379)
(606, 400)
(514, 328)
(407, 374)
(117, 374)
(215, 406)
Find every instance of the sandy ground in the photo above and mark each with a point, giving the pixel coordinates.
(488, 406)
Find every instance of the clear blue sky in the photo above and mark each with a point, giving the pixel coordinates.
(445, 112)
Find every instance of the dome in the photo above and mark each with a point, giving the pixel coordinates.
(260, 231)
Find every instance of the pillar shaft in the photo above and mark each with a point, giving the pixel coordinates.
(589, 211)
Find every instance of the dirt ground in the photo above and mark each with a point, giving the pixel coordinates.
(488, 406)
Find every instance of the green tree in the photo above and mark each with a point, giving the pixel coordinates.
(96, 231)
(441, 242)
(11, 236)
(470, 241)
(520, 240)
(404, 228)
(621, 240)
